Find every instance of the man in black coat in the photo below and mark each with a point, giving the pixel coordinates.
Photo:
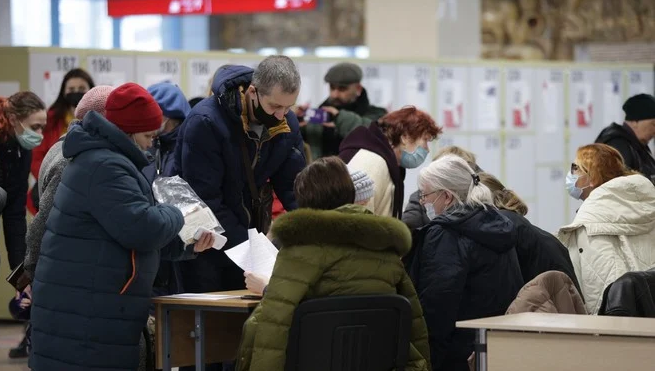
(631, 138)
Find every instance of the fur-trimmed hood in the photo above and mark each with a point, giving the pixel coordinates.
(350, 225)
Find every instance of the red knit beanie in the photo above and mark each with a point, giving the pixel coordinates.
(133, 109)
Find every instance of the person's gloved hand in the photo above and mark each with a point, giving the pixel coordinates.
(3, 199)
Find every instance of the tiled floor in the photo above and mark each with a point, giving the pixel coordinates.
(10, 335)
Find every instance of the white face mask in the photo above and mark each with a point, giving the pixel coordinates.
(430, 212)
(573, 190)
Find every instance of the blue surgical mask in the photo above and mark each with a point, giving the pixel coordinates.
(430, 212)
(414, 159)
(29, 139)
(573, 190)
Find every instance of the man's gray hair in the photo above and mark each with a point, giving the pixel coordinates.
(276, 70)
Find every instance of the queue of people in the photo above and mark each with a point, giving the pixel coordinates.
(100, 246)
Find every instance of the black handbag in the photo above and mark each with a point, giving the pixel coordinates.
(261, 212)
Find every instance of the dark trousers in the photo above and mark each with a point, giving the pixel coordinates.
(211, 271)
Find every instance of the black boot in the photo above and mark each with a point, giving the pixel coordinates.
(20, 351)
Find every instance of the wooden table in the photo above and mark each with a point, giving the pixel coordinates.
(544, 341)
(184, 328)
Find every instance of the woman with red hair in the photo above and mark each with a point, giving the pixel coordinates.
(614, 229)
(397, 141)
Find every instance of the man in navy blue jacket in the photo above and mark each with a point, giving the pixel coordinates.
(208, 155)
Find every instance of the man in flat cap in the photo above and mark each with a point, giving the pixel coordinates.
(631, 138)
(348, 107)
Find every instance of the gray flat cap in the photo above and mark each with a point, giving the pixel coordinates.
(344, 74)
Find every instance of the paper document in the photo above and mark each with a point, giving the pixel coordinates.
(202, 296)
(257, 255)
(197, 219)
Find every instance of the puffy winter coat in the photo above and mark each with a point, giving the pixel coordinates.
(347, 251)
(612, 233)
(208, 154)
(465, 268)
(99, 255)
(549, 292)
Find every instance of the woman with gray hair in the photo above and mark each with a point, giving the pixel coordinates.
(464, 263)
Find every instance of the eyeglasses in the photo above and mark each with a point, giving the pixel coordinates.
(575, 168)
(422, 196)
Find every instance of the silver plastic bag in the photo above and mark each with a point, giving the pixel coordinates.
(197, 215)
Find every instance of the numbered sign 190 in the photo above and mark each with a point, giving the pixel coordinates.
(66, 63)
(101, 65)
(169, 67)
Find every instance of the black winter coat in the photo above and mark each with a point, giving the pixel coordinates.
(539, 251)
(466, 268)
(632, 295)
(99, 255)
(636, 155)
(14, 172)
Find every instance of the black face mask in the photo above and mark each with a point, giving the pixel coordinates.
(262, 116)
(73, 98)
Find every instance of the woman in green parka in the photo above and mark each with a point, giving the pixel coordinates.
(330, 247)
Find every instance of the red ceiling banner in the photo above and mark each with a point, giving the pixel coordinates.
(122, 8)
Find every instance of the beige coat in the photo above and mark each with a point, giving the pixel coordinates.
(549, 292)
(613, 233)
(376, 168)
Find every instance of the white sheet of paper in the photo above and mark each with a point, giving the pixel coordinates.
(200, 85)
(551, 93)
(582, 96)
(488, 98)
(612, 102)
(518, 96)
(417, 93)
(110, 78)
(202, 218)
(380, 92)
(307, 89)
(257, 255)
(202, 296)
(51, 83)
(638, 89)
(155, 78)
(452, 103)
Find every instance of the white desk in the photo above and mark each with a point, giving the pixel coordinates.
(544, 341)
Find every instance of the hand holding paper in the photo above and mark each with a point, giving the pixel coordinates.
(257, 255)
(198, 217)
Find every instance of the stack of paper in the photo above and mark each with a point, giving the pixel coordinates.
(257, 255)
(202, 296)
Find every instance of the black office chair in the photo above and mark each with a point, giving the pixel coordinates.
(350, 333)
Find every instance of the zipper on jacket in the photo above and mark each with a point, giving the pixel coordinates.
(129, 282)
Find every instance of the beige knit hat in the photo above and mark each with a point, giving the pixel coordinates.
(94, 100)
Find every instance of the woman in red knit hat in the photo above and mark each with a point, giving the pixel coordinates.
(101, 249)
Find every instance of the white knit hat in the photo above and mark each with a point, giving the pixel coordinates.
(364, 186)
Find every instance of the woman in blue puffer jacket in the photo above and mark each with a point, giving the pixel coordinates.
(101, 249)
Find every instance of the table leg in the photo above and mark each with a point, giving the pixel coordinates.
(200, 340)
(166, 337)
(481, 350)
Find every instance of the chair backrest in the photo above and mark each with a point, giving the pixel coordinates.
(350, 333)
